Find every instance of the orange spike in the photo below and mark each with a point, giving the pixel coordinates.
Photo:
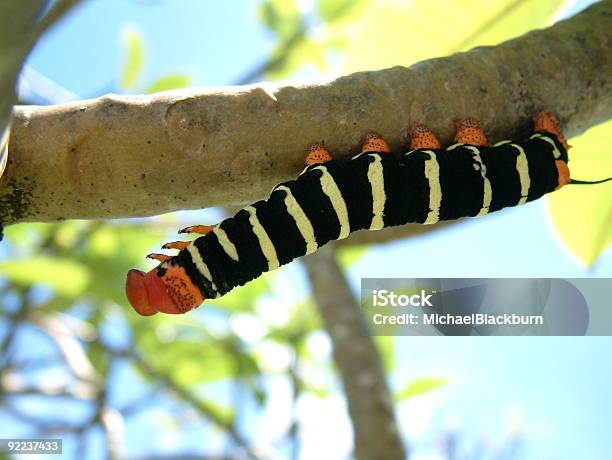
(422, 138)
(180, 245)
(316, 153)
(468, 131)
(201, 229)
(546, 121)
(373, 142)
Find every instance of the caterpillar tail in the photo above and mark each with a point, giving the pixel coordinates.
(589, 182)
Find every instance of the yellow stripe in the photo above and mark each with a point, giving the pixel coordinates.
(329, 187)
(226, 243)
(377, 182)
(454, 146)
(556, 152)
(522, 168)
(200, 265)
(301, 221)
(267, 247)
(488, 192)
(432, 174)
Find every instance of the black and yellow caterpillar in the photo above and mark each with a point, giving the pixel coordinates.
(332, 198)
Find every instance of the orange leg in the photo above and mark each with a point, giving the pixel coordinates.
(160, 257)
(316, 153)
(422, 138)
(201, 229)
(468, 131)
(180, 245)
(373, 142)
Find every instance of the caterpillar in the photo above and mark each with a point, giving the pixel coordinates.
(332, 198)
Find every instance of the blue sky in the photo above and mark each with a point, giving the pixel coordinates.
(559, 386)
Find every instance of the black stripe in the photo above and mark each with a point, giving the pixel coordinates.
(281, 228)
(352, 180)
(416, 193)
(500, 163)
(183, 259)
(542, 168)
(227, 273)
(224, 270)
(396, 192)
(316, 205)
(558, 143)
(461, 183)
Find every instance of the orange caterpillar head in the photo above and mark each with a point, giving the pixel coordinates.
(166, 289)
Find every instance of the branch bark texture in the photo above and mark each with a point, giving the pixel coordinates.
(144, 155)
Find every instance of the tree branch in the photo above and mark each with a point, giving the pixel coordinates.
(143, 155)
(369, 401)
(20, 28)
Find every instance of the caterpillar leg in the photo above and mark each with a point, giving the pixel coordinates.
(546, 121)
(422, 138)
(468, 131)
(200, 229)
(156, 256)
(316, 153)
(180, 245)
(373, 142)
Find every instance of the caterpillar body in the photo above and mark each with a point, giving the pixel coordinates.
(332, 198)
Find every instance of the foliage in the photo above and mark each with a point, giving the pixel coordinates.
(420, 386)
(133, 67)
(587, 230)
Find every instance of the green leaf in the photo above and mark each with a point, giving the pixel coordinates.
(386, 348)
(280, 16)
(27, 237)
(333, 10)
(68, 278)
(134, 60)
(191, 361)
(169, 82)
(111, 251)
(304, 319)
(420, 386)
(582, 214)
(349, 255)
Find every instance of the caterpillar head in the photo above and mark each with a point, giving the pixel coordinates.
(166, 289)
